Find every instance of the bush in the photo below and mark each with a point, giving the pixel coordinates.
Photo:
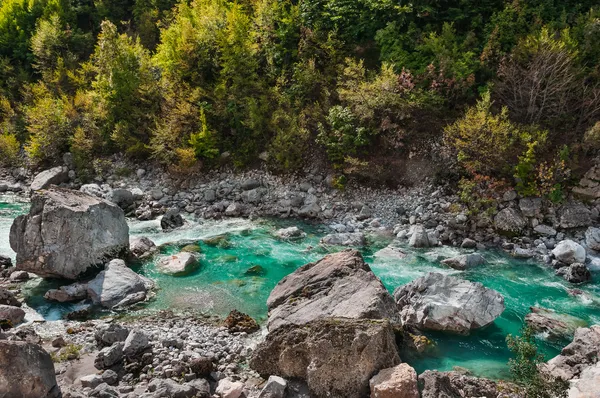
(9, 150)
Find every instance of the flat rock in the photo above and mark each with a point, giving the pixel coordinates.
(54, 176)
(442, 302)
(356, 239)
(178, 264)
(67, 232)
(464, 261)
(325, 354)
(338, 285)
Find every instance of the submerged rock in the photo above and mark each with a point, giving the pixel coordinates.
(338, 285)
(464, 261)
(336, 357)
(26, 371)
(442, 302)
(356, 239)
(397, 382)
(582, 352)
(554, 325)
(178, 264)
(53, 176)
(66, 233)
(116, 283)
(569, 252)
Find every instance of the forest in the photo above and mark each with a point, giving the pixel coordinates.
(507, 91)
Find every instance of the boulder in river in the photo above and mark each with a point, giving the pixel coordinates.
(556, 326)
(66, 233)
(237, 321)
(338, 285)
(569, 252)
(509, 222)
(442, 302)
(26, 371)
(575, 273)
(171, 220)
(390, 253)
(290, 233)
(74, 292)
(397, 382)
(419, 237)
(142, 248)
(355, 239)
(178, 264)
(336, 356)
(582, 352)
(464, 261)
(116, 283)
(53, 176)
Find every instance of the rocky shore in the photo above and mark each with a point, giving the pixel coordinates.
(333, 329)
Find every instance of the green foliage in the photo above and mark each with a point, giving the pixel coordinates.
(524, 368)
(204, 142)
(9, 150)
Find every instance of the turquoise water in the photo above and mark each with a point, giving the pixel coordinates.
(222, 282)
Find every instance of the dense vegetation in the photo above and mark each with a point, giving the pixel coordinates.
(510, 89)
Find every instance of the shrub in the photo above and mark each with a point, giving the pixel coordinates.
(288, 148)
(9, 150)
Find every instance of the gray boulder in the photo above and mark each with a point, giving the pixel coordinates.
(556, 326)
(26, 371)
(107, 334)
(142, 248)
(592, 238)
(338, 285)
(290, 233)
(54, 176)
(464, 261)
(456, 385)
(442, 302)
(275, 388)
(109, 356)
(336, 357)
(135, 344)
(509, 222)
(171, 220)
(14, 315)
(544, 230)
(73, 292)
(66, 233)
(8, 298)
(115, 283)
(121, 197)
(356, 239)
(419, 237)
(92, 190)
(575, 215)
(581, 353)
(311, 210)
(575, 273)
(569, 252)
(168, 388)
(178, 264)
(390, 253)
(587, 384)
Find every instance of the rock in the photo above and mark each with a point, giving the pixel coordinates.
(397, 382)
(156, 194)
(275, 388)
(121, 197)
(569, 252)
(178, 264)
(592, 238)
(587, 384)
(8, 298)
(575, 273)
(519, 252)
(171, 220)
(92, 190)
(135, 344)
(5, 262)
(240, 322)
(142, 248)
(454, 384)
(544, 230)
(256, 270)
(509, 222)
(464, 261)
(109, 356)
(26, 371)
(338, 285)
(169, 388)
(291, 233)
(235, 209)
(59, 342)
(530, 207)
(91, 381)
(115, 283)
(581, 353)
(19, 276)
(14, 315)
(54, 176)
(390, 253)
(110, 377)
(555, 326)
(325, 354)
(312, 210)
(28, 335)
(253, 196)
(130, 299)
(468, 243)
(356, 239)
(74, 292)
(103, 391)
(574, 215)
(250, 184)
(202, 366)
(108, 334)
(419, 237)
(443, 302)
(66, 233)
(229, 389)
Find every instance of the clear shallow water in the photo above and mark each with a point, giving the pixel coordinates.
(222, 282)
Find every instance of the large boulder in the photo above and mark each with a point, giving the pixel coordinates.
(419, 237)
(177, 264)
(142, 248)
(73, 292)
(509, 222)
(290, 233)
(582, 352)
(12, 314)
(336, 357)
(8, 298)
(338, 285)
(116, 283)
(442, 302)
(575, 215)
(464, 261)
(552, 324)
(575, 273)
(569, 252)
(171, 220)
(588, 384)
(54, 176)
(26, 371)
(456, 384)
(356, 239)
(397, 382)
(66, 233)
(592, 238)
